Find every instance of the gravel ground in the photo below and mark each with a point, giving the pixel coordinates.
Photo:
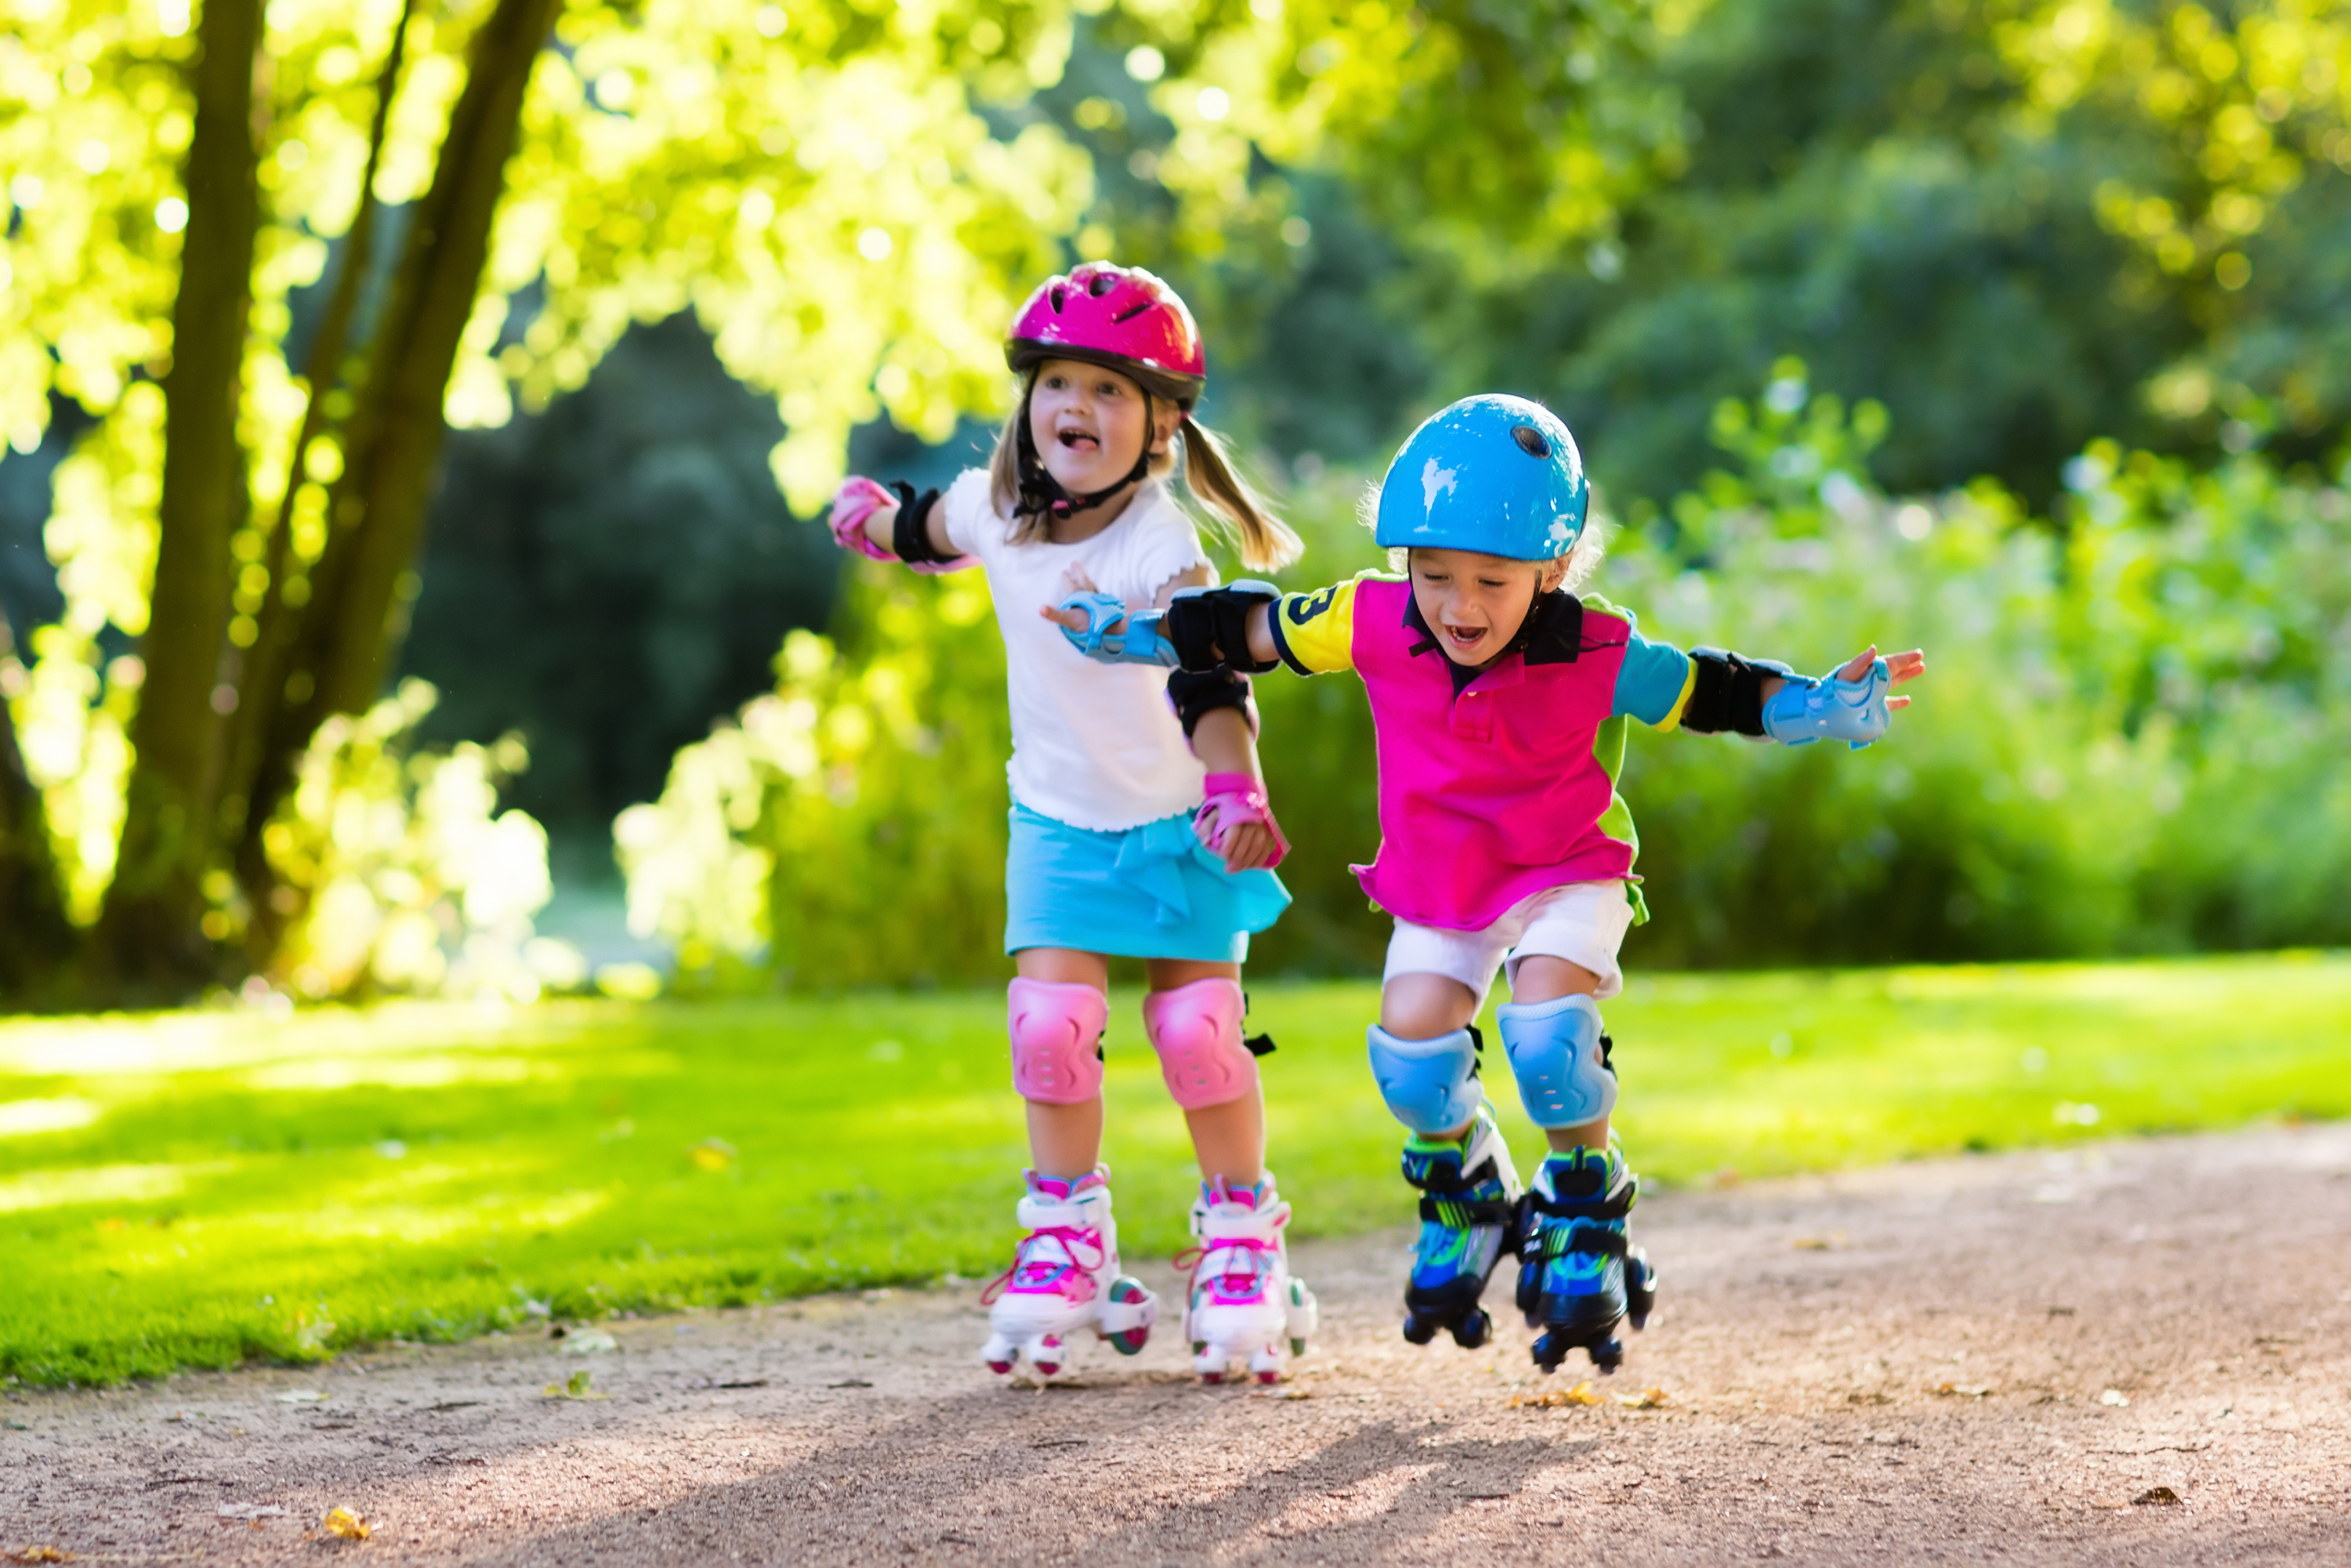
(2023, 1358)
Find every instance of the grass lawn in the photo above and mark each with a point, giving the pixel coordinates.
(198, 1188)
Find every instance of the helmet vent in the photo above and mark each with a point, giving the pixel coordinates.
(1059, 294)
(1101, 283)
(1130, 312)
(1530, 440)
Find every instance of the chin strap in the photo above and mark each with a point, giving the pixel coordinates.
(1042, 495)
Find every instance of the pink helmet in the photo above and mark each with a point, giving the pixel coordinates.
(1120, 316)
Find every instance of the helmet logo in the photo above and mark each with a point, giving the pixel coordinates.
(1530, 440)
(1434, 482)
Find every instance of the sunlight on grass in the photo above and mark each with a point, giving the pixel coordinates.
(195, 1189)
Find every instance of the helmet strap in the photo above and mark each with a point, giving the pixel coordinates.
(1042, 496)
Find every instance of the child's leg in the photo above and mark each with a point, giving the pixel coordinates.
(1194, 1019)
(1425, 1056)
(1064, 1132)
(1065, 1277)
(1579, 1275)
(1543, 978)
(1240, 1302)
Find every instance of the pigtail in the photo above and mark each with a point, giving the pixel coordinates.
(1265, 542)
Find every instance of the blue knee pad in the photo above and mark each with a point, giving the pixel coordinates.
(1554, 1047)
(1430, 1085)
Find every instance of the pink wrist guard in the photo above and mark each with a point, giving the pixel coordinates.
(1234, 799)
(857, 500)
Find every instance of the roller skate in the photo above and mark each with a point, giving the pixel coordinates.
(1242, 1300)
(1469, 1195)
(1578, 1276)
(1064, 1278)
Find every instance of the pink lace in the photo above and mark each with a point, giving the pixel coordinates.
(1233, 1288)
(1071, 1278)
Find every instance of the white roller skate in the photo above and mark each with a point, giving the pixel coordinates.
(1242, 1300)
(1064, 1278)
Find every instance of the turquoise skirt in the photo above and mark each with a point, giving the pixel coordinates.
(1152, 892)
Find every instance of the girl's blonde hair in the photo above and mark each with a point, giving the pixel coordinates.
(1244, 520)
(1584, 558)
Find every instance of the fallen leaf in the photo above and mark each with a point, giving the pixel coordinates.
(712, 1154)
(302, 1396)
(2159, 1495)
(1828, 1243)
(2114, 1397)
(342, 1522)
(1967, 1390)
(41, 1554)
(574, 1388)
(1648, 1399)
(1555, 1398)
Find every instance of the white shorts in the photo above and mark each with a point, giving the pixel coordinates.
(1584, 922)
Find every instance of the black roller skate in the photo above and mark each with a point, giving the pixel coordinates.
(1578, 1276)
(1467, 1212)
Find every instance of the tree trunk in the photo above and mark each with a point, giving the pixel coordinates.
(263, 673)
(357, 614)
(149, 932)
(36, 940)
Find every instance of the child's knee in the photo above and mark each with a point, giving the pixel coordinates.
(1196, 1031)
(1424, 1006)
(1560, 1057)
(1057, 1028)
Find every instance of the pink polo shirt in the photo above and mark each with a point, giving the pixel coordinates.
(1507, 785)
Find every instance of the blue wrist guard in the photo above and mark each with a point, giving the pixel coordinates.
(1805, 710)
(1137, 642)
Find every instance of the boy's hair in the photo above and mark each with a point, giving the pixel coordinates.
(1264, 542)
(1584, 558)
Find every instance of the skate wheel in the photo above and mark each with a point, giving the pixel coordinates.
(1474, 1330)
(1298, 1347)
(1548, 1353)
(1001, 1368)
(1123, 1292)
(1268, 1379)
(1212, 1377)
(1607, 1354)
(1420, 1329)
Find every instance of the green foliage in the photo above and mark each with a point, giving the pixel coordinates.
(847, 830)
(197, 1189)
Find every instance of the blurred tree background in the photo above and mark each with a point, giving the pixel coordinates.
(2046, 304)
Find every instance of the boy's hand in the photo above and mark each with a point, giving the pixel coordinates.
(1850, 703)
(1900, 668)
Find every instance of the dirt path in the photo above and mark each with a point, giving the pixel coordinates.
(2160, 1315)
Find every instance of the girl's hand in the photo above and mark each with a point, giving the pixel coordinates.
(1249, 846)
(863, 514)
(1236, 823)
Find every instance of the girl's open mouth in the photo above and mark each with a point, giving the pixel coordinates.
(1080, 441)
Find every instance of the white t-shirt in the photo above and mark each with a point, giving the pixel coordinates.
(1095, 746)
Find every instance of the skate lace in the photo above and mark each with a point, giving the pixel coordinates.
(1249, 1261)
(1069, 1275)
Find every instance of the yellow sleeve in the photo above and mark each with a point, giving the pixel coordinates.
(1315, 632)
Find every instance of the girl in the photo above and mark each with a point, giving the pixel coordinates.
(1118, 823)
(1504, 843)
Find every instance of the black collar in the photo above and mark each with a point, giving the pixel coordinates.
(1553, 633)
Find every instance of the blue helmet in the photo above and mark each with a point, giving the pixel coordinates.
(1494, 474)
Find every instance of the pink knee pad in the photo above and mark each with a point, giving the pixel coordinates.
(1197, 1030)
(1057, 1032)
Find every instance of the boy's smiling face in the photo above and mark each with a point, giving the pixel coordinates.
(1477, 602)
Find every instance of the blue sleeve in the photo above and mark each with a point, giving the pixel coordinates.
(1654, 682)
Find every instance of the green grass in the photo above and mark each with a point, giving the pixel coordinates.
(199, 1188)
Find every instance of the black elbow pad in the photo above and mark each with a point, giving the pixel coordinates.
(1195, 694)
(910, 536)
(1728, 695)
(1210, 626)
